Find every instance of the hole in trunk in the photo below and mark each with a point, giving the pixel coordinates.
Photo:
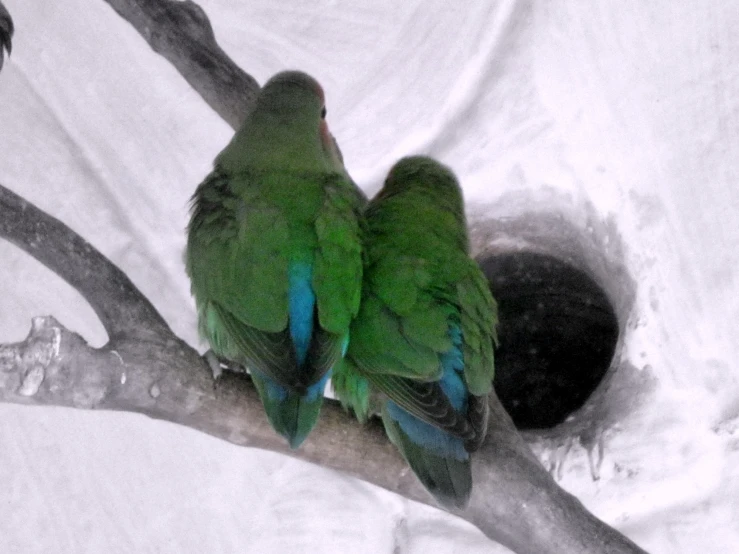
(558, 333)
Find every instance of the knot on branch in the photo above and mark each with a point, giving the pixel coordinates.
(36, 369)
(43, 342)
(26, 362)
(40, 350)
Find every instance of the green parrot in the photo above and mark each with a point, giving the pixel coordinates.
(274, 252)
(426, 329)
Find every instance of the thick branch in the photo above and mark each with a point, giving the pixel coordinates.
(515, 501)
(122, 309)
(180, 31)
(145, 368)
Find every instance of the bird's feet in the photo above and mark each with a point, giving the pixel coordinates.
(218, 365)
(214, 363)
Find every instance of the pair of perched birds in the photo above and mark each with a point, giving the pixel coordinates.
(297, 277)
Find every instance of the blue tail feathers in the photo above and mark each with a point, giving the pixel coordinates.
(302, 303)
(293, 408)
(427, 436)
(292, 414)
(452, 384)
(315, 391)
(439, 459)
(452, 381)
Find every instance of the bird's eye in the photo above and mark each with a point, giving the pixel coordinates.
(323, 113)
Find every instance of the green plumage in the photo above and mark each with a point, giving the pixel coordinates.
(274, 252)
(425, 333)
(352, 389)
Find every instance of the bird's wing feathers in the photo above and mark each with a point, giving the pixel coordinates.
(478, 320)
(241, 245)
(238, 255)
(404, 329)
(337, 270)
(478, 411)
(426, 401)
(271, 353)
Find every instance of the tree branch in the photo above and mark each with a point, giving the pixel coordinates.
(145, 368)
(181, 32)
(121, 308)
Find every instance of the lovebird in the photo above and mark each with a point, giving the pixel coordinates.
(274, 252)
(426, 329)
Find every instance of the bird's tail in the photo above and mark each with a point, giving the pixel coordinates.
(292, 414)
(439, 459)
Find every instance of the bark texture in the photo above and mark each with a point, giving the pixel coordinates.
(181, 33)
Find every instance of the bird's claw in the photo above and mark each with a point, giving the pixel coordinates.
(218, 365)
(214, 363)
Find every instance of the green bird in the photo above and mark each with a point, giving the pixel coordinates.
(426, 329)
(274, 252)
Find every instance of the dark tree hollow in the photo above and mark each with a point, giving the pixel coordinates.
(558, 333)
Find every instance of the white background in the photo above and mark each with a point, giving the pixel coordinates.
(625, 110)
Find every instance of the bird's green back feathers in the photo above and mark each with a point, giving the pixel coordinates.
(419, 278)
(274, 248)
